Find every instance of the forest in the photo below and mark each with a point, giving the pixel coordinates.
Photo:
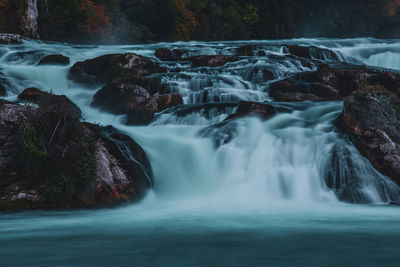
(134, 21)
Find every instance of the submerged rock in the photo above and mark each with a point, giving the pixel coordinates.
(51, 160)
(247, 108)
(372, 120)
(54, 60)
(120, 97)
(8, 38)
(210, 61)
(313, 52)
(3, 90)
(113, 68)
(331, 83)
(144, 113)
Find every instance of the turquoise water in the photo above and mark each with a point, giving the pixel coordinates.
(165, 236)
(258, 201)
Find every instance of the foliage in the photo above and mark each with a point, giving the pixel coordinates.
(169, 20)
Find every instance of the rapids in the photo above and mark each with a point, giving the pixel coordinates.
(261, 199)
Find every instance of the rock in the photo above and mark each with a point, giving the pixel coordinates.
(372, 120)
(3, 90)
(206, 110)
(167, 54)
(331, 83)
(120, 97)
(144, 113)
(52, 103)
(250, 50)
(313, 52)
(221, 133)
(49, 159)
(210, 61)
(7, 38)
(54, 60)
(113, 68)
(247, 108)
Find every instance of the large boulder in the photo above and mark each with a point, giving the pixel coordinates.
(57, 59)
(120, 97)
(210, 60)
(52, 103)
(372, 119)
(331, 83)
(49, 159)
(8, 38)
(144, 113)
(113, 68)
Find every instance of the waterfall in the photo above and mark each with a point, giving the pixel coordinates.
(295, 157)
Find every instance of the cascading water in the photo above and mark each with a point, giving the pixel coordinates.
(292, 167)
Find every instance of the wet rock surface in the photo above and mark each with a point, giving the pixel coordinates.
(57, 59)
(331, 83)
(51, 160)
(247, 108)
(372, 120)
(210, 60)
(144, 112)
(120, 97)
(7, 38)
(115, 67)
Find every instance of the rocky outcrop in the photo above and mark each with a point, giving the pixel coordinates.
(144, 112)
(54, 60)
(7, 38)
(51, 160)
(247, 108)
(113, 68)
(331, 83)
(167, 54)
(120, 97)
(210, 61)
(372, 120)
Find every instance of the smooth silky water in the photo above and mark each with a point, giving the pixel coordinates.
(260, 200)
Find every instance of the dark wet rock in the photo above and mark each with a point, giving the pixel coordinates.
(250, 50)
(54, 60)
(144, 113)
(313, 52)
(221, 133)
(7, 38)
(258, 73)
(167, 54)
(331, 83)
(210, 60)
(53, 103)
(372, 120)
(3, 90)
(247, 108)
(120, 97)
(208, 110)
(113, 68)
(49, 159)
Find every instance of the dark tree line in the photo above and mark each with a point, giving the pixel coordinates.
(169, 20)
